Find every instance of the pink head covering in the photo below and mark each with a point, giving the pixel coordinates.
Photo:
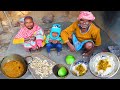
(86, 15)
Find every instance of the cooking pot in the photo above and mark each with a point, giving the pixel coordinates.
(12, 57)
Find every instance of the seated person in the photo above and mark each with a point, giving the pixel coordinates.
(82, 33)
(32, 35)
(54, 40)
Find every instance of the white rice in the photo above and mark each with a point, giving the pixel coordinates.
(108, 70)
(77, 72)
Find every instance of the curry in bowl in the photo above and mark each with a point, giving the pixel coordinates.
(13, 69)
(13, 66)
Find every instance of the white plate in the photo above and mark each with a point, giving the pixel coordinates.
(72, 67)
(115, 64)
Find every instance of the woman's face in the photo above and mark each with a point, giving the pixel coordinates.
(84, 23)
(54, 34)
(29, 23)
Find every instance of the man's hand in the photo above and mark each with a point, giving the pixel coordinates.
(72, 48)
(88, 53)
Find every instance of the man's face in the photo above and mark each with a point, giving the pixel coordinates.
(29, 23)
(84, 23)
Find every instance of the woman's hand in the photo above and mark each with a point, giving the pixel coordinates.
(33, 38)
(26, 39)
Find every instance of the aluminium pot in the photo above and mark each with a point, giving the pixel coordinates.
(12, 57)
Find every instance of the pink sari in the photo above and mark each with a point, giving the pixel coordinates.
(26, 33)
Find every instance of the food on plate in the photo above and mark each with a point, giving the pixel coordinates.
(103, 64)
(13, 69)
(79, 69)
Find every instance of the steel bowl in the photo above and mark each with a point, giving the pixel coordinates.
(12, 57)
(56, 68)
(100, 56)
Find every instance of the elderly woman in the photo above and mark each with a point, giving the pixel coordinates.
(31, 35)
(82, 33)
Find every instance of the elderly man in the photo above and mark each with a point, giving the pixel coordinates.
(82, 33)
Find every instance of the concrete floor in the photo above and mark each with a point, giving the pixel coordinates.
(18, 49)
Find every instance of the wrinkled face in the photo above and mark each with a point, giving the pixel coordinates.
(29, 23)
(54, 34)
(84, 23)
